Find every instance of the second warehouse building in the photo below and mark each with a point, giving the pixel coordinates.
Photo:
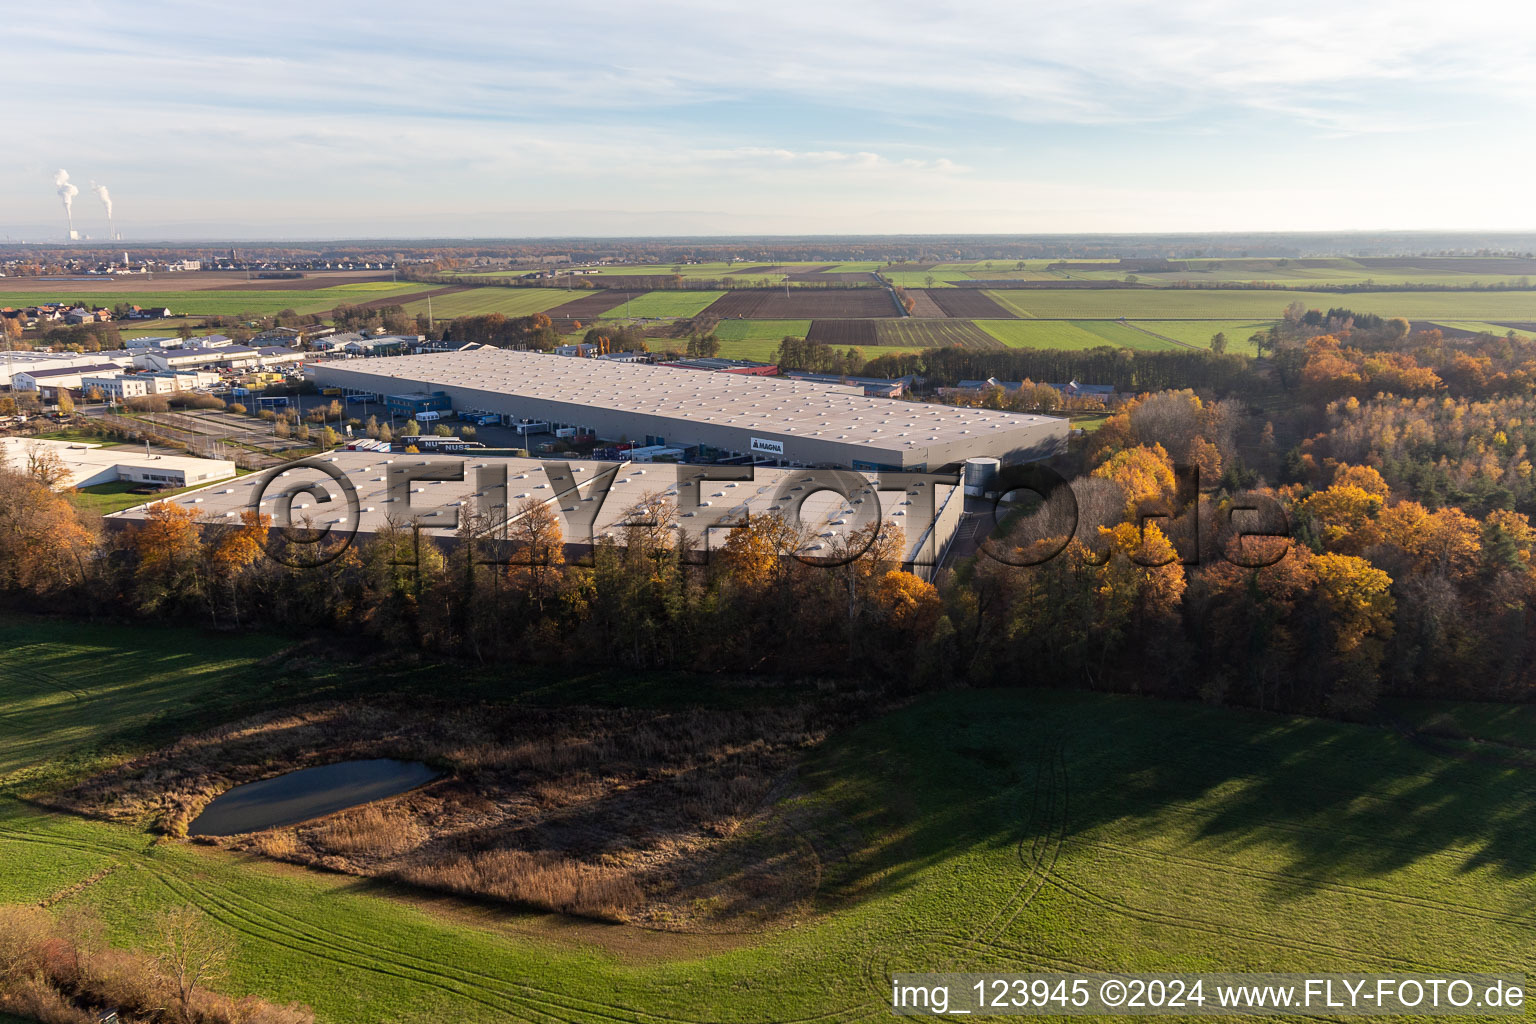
(774, 420)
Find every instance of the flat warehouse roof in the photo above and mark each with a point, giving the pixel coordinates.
(82, 460)
(764, 405)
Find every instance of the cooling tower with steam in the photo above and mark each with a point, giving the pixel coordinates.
(106, 200)
(66, 192)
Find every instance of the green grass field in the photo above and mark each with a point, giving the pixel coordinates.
(64, 686)
(1445, 271)
(1451, 272)
(506, 301)
(226, 303)
(763, 350)
(756, 339)
(664, 304)
(1199, 332)
(1475, 325)
(705, 270)
(1071, 334)
(1194, 304)
(973, 830)
(761, 330)
(916, 279)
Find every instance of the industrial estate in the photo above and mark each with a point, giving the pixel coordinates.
(591, 631)
(644, 514)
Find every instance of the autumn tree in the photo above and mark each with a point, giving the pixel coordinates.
(1144, 472)
(229, 551)
(168, 553)
(1358, 598)
(45, 466)
(537, 550)
(45, 546)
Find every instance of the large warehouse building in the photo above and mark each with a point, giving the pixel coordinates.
(362, 493)
(789, 422)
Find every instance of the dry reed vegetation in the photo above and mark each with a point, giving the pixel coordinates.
(61, 971)
(632, 815)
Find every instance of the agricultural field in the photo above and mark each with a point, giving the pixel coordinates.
(589, 305)
(758, 339)
(210, 302)
(156, 328)
(1198, 332)
(805, 303)
(1478, 327)
(916, 279)
(1289, 273)
(911, 332)
(700, 270)
(483, 301)
(763, 350)
(761, 330)
(1048, 831)
(178, 283)
(1197, 304)
(1075, 334)
(966, 304)
(1450, 271)
(842, 333)
(664, 304)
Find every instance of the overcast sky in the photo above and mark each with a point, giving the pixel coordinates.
(314, 119)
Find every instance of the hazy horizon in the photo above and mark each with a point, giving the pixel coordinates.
(292, 122)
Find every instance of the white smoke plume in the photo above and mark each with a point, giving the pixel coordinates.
(65, 188)
(67, 192)
(106, 200)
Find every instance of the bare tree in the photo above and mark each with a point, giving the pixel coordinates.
(648, 524)
(190, 953)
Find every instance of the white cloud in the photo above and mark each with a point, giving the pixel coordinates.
(793, 112)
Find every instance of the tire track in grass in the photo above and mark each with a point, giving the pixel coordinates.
(1122, 908)
(330, 944)
(302, 930)
(313, 948)
(303, 937)
(1047, 841)
(1041, 794)
(1304, 881)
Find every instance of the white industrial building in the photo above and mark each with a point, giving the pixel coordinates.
(116, 387)
(48, 381)
(135, 344)
(86, 465)
(773, 419)
(275, 356)
(592, 499)
(229, 356)
(13, 363)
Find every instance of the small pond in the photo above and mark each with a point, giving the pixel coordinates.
(308, 793)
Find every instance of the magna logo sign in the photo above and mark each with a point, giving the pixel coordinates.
(767, 447)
